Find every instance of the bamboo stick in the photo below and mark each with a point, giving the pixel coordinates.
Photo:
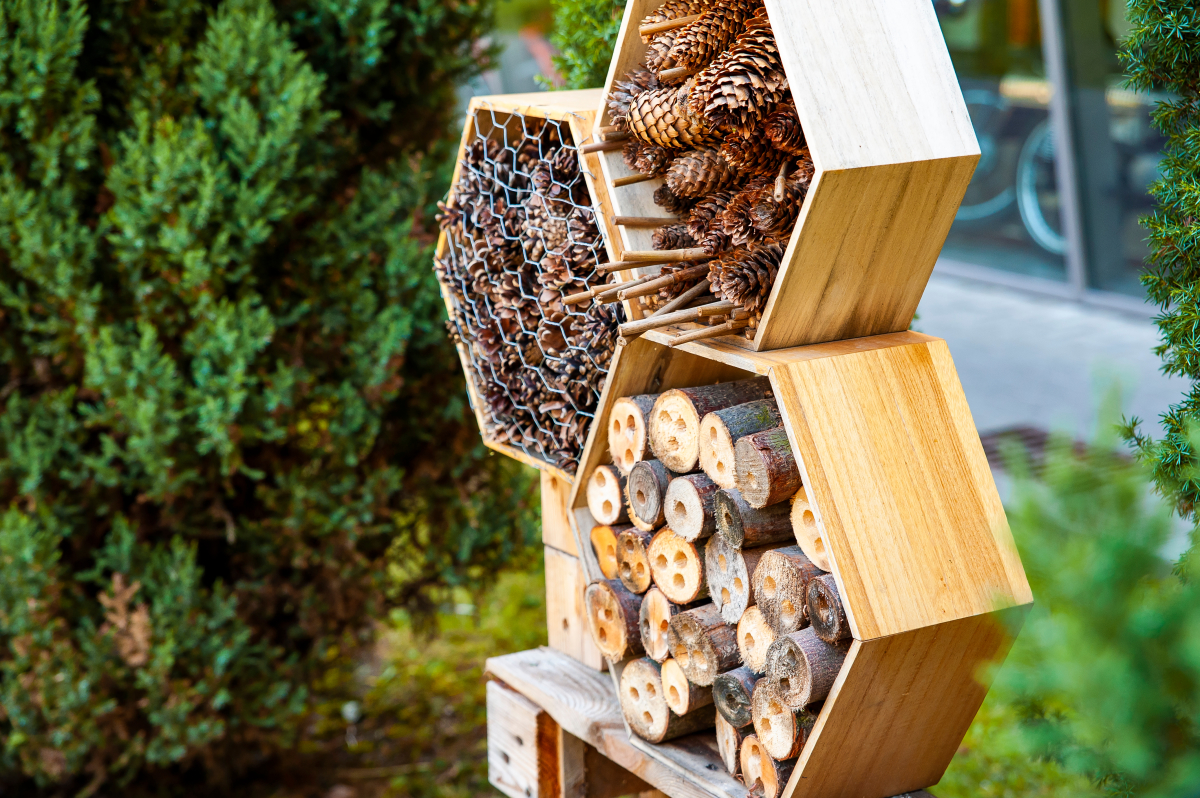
(620, 135)
(728, 328)
(781, 181)
(632, 329)
(678, 302)
(671, 24)
(608, 129)
(601, 146)
(631, 180)
(667, 255)
(644, 221)
(665, 281)
(605, 290)
(677, 72)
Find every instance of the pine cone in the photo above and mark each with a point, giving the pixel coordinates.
(745, 84)
(737, 221)
(707, 213)
(673, 9)
(665, 295)
(745, 276)
(649, 159)
(661, 116)
(625, 92)
(704, 39)
(700, 172)
(670, 202)
(777, 219)
(755, 155)
(783, 128)
(657, 51)
(672, 236)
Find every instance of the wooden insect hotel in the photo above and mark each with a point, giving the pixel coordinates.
(776, 560)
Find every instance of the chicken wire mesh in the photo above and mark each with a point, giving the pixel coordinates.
(521, 234)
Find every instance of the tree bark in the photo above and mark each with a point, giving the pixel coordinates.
(675, 420)
(766, 469)
(703, 644)
(689, 506)
(804, 524)
(645, 706)
(731, 693)
(677, 567)
(721, 429)
(628, 430)
(780, 585)
(645, 490)
(804, 667)
(729, 744)
(682, 696)
(746, 527)
(633, 559)
(755, 637)
(614, 616)
(826, 612)
(604, 543)
(764, 777)
(781, 730)
(606, 496)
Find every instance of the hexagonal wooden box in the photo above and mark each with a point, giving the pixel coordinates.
(909, 513)
(893, 147)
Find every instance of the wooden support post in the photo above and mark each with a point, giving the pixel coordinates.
(556, 528)
(566, 624)
(522, 745)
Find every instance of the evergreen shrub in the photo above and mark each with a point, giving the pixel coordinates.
(232, 430)
(585, 33)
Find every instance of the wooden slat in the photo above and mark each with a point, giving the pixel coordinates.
(900, 708)
(556, 527)
(522, 746)
(899, 482)
(566, 624)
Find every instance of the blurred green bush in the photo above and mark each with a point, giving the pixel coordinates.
(585, 33)
(232, 431)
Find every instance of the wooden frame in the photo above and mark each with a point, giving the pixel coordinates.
(894, 150)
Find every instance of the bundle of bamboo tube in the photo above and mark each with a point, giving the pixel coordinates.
(726, 619)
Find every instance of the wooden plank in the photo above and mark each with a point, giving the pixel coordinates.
(566, 624)
(556, 528)
(522, 745)
(586, 773)
(559, 105)
(584, 703)
(900, 484)
(900, 708)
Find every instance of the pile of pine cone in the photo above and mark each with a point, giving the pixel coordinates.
(521, 234)
(710, 110)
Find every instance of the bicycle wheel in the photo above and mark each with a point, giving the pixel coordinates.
(991, 190)
(1037, 191)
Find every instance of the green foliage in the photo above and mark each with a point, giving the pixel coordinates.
(1162, 53)
(232, 429)
(585, 33)
(1106, 673)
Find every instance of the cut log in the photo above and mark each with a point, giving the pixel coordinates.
(628, 430)
(606, 496)
(604, 543)
(614, 616)
(682, 696)
(826, 612)
(764, 777)
(780, 585)
(729, 744)
(677, 567)
(645, 489)
(675, 420)
(657, 612)
(644, 705)
(703, 644)
(808, 536)
(721, 429)
(781, 730)
(804, 667)
(746, 527)
(731, 693)
(755, 637)
(730, 574)
(633, 559)
(765, 467)
(689, 506)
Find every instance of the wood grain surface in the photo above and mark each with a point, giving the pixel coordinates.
(566, 623)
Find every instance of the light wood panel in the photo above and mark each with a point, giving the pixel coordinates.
(566, 623)
(900, 708)
(522, 746)
(900, 485)
(556, 527)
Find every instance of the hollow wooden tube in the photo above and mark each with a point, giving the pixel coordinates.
(645, 706)
(804, 667)
(766, 469)
(628, 430)
(675, 419)
(729, 744)
(664, 281)
(656, 614)
(781, 729)
(721, 429)
(730, 574)
(746, 527)
(633, 559)
(688, 506)
(682, 696)
(614, 614)
(725, 328)
(780, 588)
(667, 255)
(764, 776)
(604, 543)
(601, 146)
(645, 489)
(630, 180)
(677, 567)
(605, 495)
(671, 24)
(698, 290)
(632, 329)
(702, 643)
(754, 636)
(731, 693)
(826, 612)
(644, 221)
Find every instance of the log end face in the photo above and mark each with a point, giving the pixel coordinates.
(754, 639)
(674, 429)
(604, 620)
(642, 700)
(626, 434)
(655, 619)
(677, 567)
(715, 451)
(808, 535)
(729, 745)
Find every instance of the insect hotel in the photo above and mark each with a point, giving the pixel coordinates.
(776, 560)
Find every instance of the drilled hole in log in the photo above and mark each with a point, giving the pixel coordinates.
(601, 480)
(630, 426)
(721, 562)
(678, 581)
(769, 587)
(626, 571)
(752, 480)
(789, 610)
(789, 661)
(680, 424)
(650, 691)
(662, 627)
(633, 693)
(647, 717)
(617, 426)
(748, 642)
(629, 458)
(607, 507)
(725, 597)
(766, 725)
(672, 444)
(721, 469)
(700, 657)
(681, 654)
(823, 608)
(680, 559)
(785, 684)
(737, 584)
(758, 788)
(727, 517)
(712, 434)
(646, 628)
(641, 497)
(680, 509)
(603, 635)
(674, 695)
(641, 571)
(610, 552)
(608, 614)
(809, 519)
(774, 708)
(660, 561)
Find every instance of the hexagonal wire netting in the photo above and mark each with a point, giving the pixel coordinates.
(521, 234)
